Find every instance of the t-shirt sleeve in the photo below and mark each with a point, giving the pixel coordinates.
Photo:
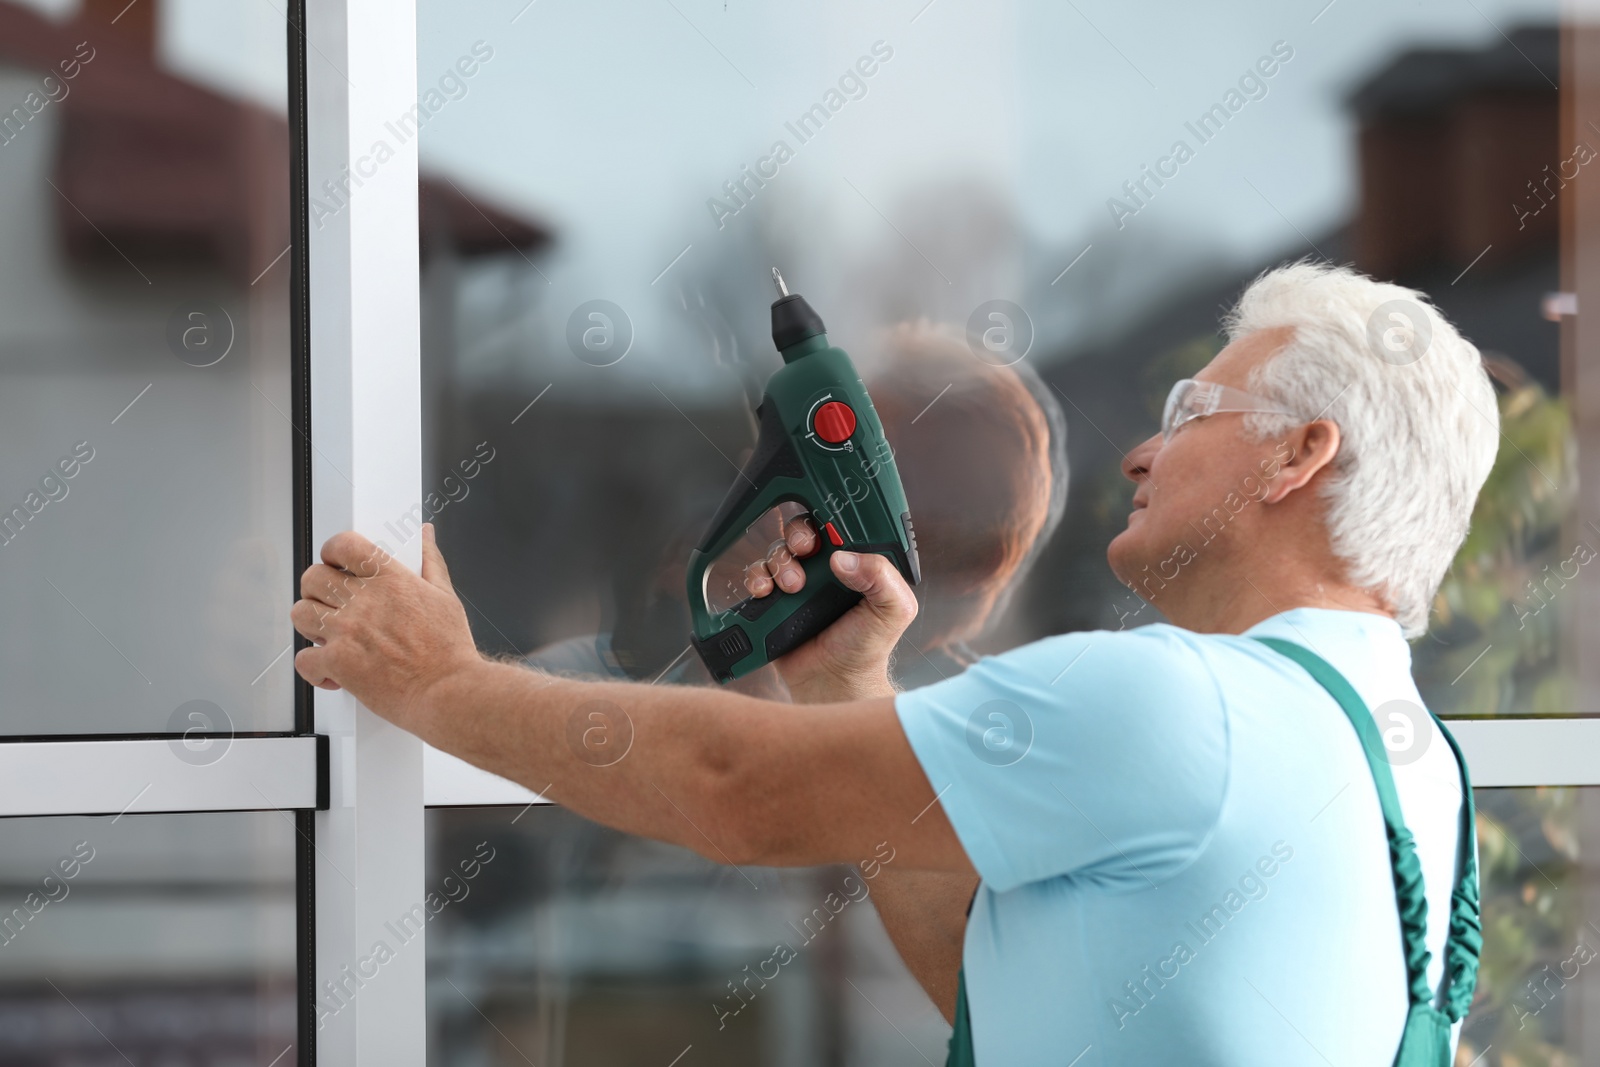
(1101, 756)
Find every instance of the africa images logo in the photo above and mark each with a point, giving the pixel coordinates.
(999, 733)
(1399, 331)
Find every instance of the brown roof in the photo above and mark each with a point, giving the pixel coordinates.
(163, 168)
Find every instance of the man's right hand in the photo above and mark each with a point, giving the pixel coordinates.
(850, 659)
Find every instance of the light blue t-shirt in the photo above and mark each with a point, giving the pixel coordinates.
(1182, 852)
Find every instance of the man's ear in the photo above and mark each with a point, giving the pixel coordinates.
(1310, 448)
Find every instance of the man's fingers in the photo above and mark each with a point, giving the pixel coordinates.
(801, 536)
(350, 561)
(879, 583)
(778, 569)
(434, 571)
(351, 552)
(786, 573)
(311, 664)
(757, 580)
(330, 585)
(781, 568)
(310, 619)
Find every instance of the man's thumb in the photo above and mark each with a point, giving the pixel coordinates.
(876, 579)
(434, 572)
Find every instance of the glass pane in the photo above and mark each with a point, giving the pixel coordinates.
(148, 939)
(574, 944)
(601, 280)
(1535, 1005)
(145, 447)
(571, 944)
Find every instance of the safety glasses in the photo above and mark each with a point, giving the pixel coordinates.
(1191, 399)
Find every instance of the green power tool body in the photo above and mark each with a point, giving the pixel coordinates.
(820, 444)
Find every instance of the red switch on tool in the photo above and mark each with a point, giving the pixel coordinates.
(833, 535)
(834, 422)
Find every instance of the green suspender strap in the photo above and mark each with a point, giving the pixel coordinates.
(1426, 1039)
(961, 1037)
(1425, 1042)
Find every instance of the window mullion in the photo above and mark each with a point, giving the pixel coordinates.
(366, 469)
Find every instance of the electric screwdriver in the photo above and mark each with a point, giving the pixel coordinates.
(821, 444)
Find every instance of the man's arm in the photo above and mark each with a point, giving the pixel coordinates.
(736, 779)
(924, 912)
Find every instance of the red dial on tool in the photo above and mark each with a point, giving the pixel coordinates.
(834, 422)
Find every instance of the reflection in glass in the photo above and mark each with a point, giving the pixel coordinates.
(577, 945)
(605, 334)
(1537, 1003)
(580, 945)
(982, 185)
(147, 939)
(145, 352)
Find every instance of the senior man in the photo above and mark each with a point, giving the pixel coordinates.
(1178, 832)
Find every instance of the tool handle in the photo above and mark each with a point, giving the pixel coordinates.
(801, 616)
(822, 601)
(772, 475)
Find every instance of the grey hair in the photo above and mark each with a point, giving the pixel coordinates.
(1417, 415)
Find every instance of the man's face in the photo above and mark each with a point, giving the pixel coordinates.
(1201, 489)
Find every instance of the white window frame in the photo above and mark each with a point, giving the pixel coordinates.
(289, 772)
(355, 788)
(139, 776)
(1501, 753)
(366, 418)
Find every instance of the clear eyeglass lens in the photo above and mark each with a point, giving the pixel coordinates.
(1183, 404)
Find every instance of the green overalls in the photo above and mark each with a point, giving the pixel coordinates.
(1425, 1042)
